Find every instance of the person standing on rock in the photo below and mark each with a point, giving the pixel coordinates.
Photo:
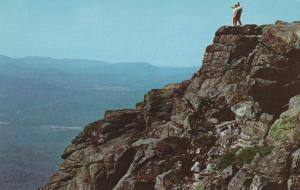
(234, 18)
(237, 13)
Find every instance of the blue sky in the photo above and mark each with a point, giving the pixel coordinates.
(161, 32)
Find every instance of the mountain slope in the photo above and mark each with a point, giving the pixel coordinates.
(234, 125)
(44, 102)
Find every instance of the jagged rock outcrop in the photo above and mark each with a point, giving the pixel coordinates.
(235, 123)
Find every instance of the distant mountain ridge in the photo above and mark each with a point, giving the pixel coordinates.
(44, 76)
(45, 60)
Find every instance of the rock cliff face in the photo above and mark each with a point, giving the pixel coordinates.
(235, 125)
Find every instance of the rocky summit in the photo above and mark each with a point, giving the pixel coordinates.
(234, 125)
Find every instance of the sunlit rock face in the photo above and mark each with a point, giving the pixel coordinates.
(233, 125)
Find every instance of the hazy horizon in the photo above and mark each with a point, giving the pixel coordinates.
(97, 60)
(169, 33)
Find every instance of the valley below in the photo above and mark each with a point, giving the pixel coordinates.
(45, 103)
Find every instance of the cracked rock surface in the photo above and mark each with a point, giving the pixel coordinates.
(238, 118)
